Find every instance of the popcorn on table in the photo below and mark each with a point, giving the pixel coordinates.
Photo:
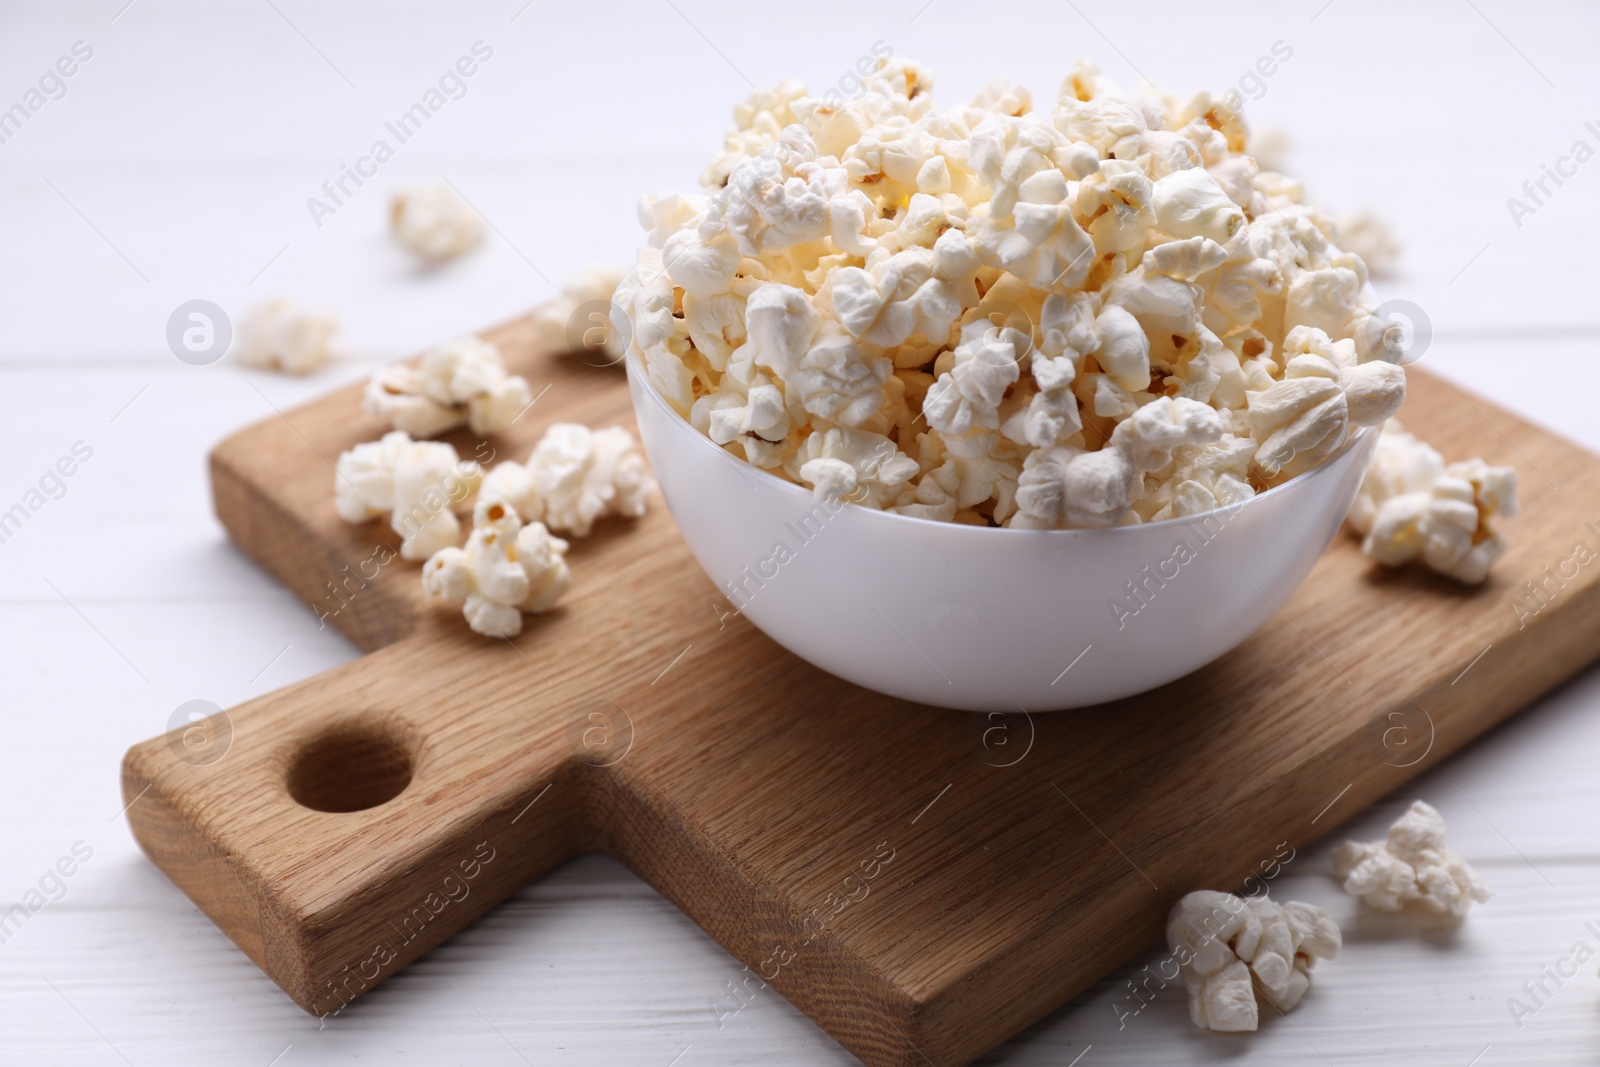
(565, 326)
(1412, 506)
(461, 381)
(419, 483)
(1411, 866)
(1100, 311)
(574, 476)
(281, 335)
(434, 222)
(505, 569)
(1227, 946)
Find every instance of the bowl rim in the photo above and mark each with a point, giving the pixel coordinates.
(801, 493)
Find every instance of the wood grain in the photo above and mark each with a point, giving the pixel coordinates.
(918, 887)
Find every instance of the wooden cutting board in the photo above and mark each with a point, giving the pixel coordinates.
(922, 883)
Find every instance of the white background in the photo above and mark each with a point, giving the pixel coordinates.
(178, 165)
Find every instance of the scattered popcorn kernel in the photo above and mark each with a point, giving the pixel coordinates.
(460, 381)
(1227, 947)
(280, 335)
(434, 222)
(1097, 311)
(1411, 506)
(1411, 866)
(505, 569)
(573, 477)
(419, 483)
(572, 322)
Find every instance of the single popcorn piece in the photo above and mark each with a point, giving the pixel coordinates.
(434, 222)
(460, 381)
(280, 335)
(1190, 203)
(1411, 866)
(1400, 464)
(1150, 435)
(1067, 488)
(1412, 506)
(983, 369)
(574, 476)
(854, 465)
(577, 320)
(1307, 414)
(506, 569)
(419, 483)
(1227, 946)
(1096, 311)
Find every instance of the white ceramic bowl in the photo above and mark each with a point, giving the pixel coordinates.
(989, 619)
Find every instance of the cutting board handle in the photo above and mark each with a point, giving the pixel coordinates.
(338, 829)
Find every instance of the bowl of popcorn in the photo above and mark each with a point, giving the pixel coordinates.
(1002, 406)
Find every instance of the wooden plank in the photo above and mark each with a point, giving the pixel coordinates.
(919, 895)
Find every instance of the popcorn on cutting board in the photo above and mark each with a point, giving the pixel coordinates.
(512, 564)
(462, 381)
(281, 335)
(573, 322)
(434, 222)
(574, 476)
(505, 569)
(1412, 865)
(1412, 506)
(419, 483)
(1227, 946)
(1093, 313)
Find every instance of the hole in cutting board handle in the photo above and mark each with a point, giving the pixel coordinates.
(351, 767)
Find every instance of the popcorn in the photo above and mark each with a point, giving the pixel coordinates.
(434, 222)
(572, 322)
(1226, 947)
(1400, 463)
(960, 475)
(1412, 506)
(280, 335)
(573, 477)
(999, 97)
(1323, 299)
(1373, 392)
(701, 267)
(1124, 350)
(1411, 866)
(460, 381)
(758, 123)
(1216, 475)
(419, 482)
(1099, 311)
(777, 199)
(1150, 435)
(1038, 240)
(855, 465)
(1323, 392)
(1190, 203)
(985, 366)
(505, 569)
(1067, 488)
(758, 420)
(896, 300)
(1304, 414)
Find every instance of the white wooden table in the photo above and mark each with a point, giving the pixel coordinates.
(177, 166)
